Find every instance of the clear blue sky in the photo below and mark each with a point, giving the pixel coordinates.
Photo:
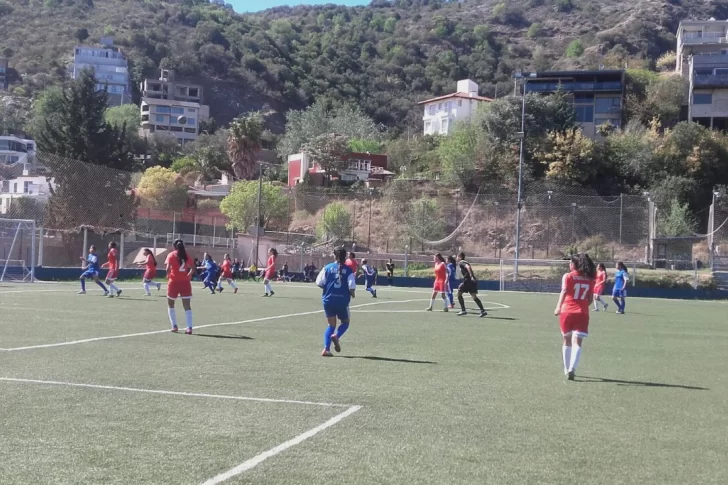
(256, 5)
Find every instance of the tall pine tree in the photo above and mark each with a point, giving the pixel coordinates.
(89, 161)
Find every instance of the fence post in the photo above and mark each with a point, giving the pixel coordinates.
(621, 209)
(711, 228)
(174, 224)
(369, 231)
(194, 230)
(214, 230)
(406, 260)
(121, 250)
(155, 246)
(32, 254)
(85, 244)
(40, 246)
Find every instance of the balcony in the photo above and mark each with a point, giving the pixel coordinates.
(710, 80)
(705, 38)
(541, 87)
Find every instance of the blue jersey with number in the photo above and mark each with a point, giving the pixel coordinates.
(336, 283)
(619, 279)
(452, 273)
(92, 263)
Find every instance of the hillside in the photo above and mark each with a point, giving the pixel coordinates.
(383, 57)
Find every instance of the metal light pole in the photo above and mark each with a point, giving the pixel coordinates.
(548, 226)
(573, 222)
(519, 202)
(258, 222)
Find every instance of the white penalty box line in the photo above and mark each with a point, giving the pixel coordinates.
(246, 465)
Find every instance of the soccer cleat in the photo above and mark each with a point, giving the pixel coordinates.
(175, 329)
(118, 293)
(159, 286)
(452, 307)
(605, 306)
(571, 375)
(375, 293)
(445, 310)
(462, 312)
(109, 296)
(326, 353)
(272, 293)
(188, 331)
(429, 309)
(82, 292)
(595, 309)
(106, 292)
(337, 344)
(235, 290)
(265, 295)
(147, 294)
(483, 313)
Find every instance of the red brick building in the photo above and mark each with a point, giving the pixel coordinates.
(367, 167)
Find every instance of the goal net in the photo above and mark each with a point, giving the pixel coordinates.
(18, 256)
(532, 275)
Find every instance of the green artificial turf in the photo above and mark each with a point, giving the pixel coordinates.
(445, 399)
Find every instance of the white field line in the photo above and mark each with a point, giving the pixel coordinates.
(257, 460)
(170, 393)
(154, 332)
(500, 306)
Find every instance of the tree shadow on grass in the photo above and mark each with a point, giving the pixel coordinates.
(640, 383)
(387, 359)
(234, 337)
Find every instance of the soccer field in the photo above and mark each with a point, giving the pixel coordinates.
(96, 390)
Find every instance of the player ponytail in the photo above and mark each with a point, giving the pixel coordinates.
(584, 265)
(112, 245)
(451, 260)
(439, 257)
(601, 267)
(274, 252)
(149, 252)
(621, 266)
(181, 251)
(340, 255)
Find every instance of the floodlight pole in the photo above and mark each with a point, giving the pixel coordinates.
(519, 202)
(258, 224)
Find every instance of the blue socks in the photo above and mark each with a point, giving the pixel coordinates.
(450, 297)
(83, 284)
(342, 329)
(101, 285)
(327, 337)
(623, 305)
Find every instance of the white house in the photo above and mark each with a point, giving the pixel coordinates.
(442, 112)
(35, 187)
(16, 150)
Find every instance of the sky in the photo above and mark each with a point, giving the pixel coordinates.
(256, 5)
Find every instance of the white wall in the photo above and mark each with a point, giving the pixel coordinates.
(719, 108)
(454, 109)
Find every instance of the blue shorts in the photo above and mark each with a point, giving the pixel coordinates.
(337, 310)
(619, 293)
(370, 282)
(89, 274)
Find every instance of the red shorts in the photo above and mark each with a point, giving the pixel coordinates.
(270, 274)
(112, 274)
(179, 289)
(574, 322)
(598, 290)
(440, 286)
(150, 274)
(227, 276)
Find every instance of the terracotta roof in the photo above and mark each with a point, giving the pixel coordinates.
(456, 95)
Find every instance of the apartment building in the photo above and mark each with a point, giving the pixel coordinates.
(35, 187)
(16, 150)
(110, 66)
(598, 96)
(179, 118)
(168, 87)
(443, 112)
(3, 73)
(702, 57)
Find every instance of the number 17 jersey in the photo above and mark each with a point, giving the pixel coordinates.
(577, 290)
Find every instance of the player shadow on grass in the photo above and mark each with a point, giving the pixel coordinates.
(387, 359)
(235, 337)
(640, 383)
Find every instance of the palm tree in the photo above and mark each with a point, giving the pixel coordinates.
(244, 143)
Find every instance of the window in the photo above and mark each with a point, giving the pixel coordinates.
(192, 121)
(443, 125)
(15, 187)
(163, 109)
(580, 98)
(193, 92)
(608, 105)
(460, 102)
(431, 109)
(178, 111)
(191, 110)
(145, 107)
(176, 128)
(26, 187)
(702, 98)
(428, 128)
(160, 118)
(584, 114)
(190, 130)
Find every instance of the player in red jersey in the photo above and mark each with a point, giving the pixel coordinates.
(180, 268)
(352, 263)
(599, 287)
(112, 275)
(441, 285)
(150, 270)
(269, 273)
(226, 269)
(577, 294)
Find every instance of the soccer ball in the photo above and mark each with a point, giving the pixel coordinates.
(182, 120)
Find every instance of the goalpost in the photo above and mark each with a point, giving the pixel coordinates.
(18, 244)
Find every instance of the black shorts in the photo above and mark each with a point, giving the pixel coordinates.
(469, 286)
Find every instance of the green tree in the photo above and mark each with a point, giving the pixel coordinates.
(162, 149)
(82, 34)
(26, 208)
(241, 206)
(89, 161)
(458, 153)
(676, 221)
(329, 151)
(535, 30)
(244, 144)
(162, 188)
(570, 157)
(124, 116)
(365, 146)
(47, 108)
(574, 49)
(335, 223)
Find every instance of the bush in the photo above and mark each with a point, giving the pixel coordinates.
(575, 48)
(335, 223)
(535, 31)
(563, 5)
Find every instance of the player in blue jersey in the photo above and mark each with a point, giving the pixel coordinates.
(369, 274)
(452, 278)
(91, 270)
(339, 284)
(209, 275)
(619, 291)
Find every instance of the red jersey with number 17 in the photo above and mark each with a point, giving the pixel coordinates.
(577, 290)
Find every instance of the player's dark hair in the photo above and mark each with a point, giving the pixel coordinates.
(364, 261)
(112, 245)
(622, 267)
(181, 251)
(461, 256)
(601, 267)
(92, 248)
(274, 252)
(584, 265)
(340, 255)
(439, 257)
(451, 260)
(352, 256)
(151, 253)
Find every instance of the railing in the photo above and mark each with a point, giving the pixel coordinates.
(710, 80)
(197, 240)
(574, 86)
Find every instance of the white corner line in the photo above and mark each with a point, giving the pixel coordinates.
(171, 393)
(155, 332)
(257, 460)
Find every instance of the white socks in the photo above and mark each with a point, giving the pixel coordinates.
(146, 288)
(113, 287)
(232, 283)
(566, 352)
(432, 302)
(268, 289)
(172, 317)
(575, 354)
(444, 299)
(188, 317)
